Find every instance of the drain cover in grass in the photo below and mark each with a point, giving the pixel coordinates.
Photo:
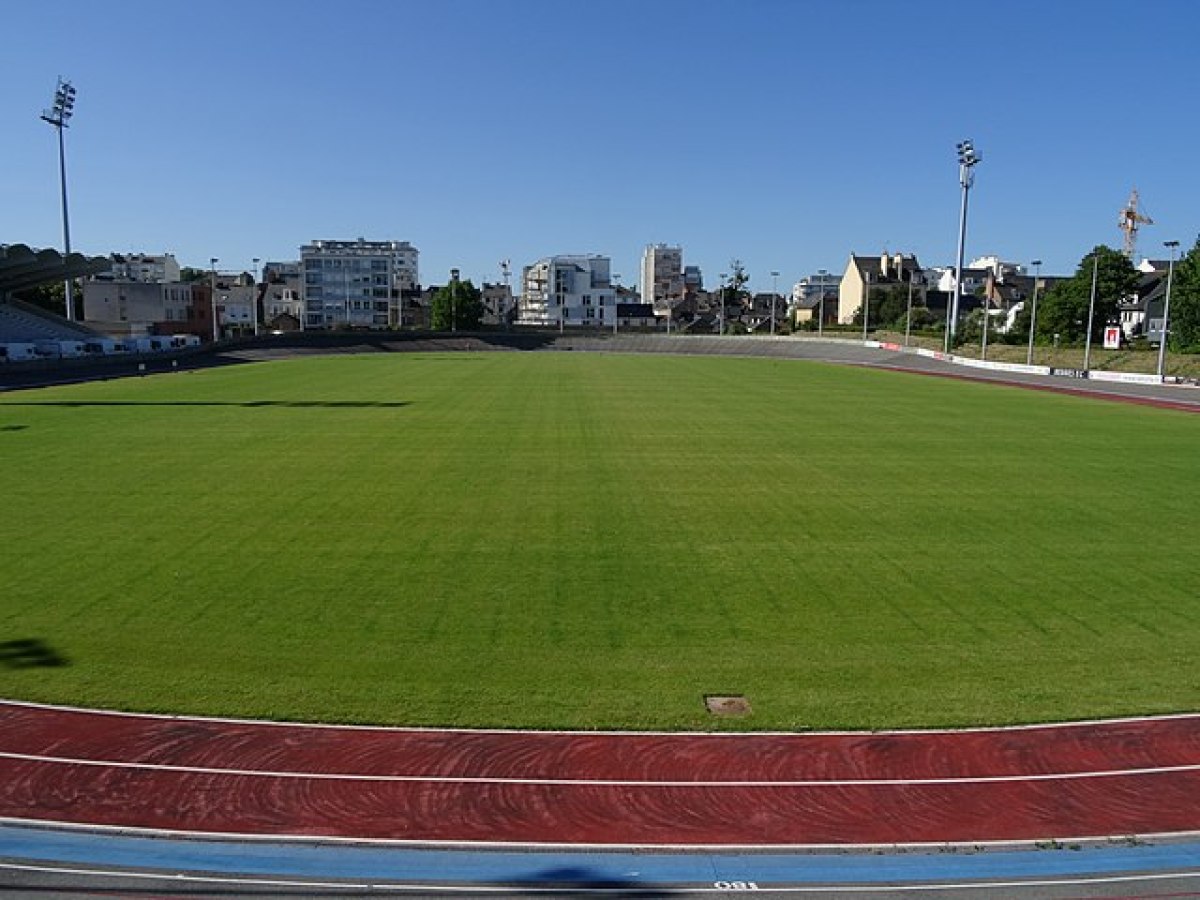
(727, 704)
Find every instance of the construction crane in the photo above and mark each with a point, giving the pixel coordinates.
(1130, 219)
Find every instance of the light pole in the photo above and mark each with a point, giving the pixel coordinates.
(212, 294)
(912, 276)
(616, 280)
(1087, 345)
(987, 306)
(774, 294)
(866, 302)
(967, 160)
(1037, 271)
(721, 295)
(821, 273)
(59, 115)
(254, 298)
(1162, 341)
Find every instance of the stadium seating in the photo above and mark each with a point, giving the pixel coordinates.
(21, 322)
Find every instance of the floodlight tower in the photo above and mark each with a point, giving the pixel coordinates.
(968, 158)
(59, 115)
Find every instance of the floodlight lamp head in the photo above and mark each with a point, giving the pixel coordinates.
(967, 155)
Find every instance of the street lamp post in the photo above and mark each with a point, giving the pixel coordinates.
(866, 302)
(721, 311)
(912, 275)
(1162, 340)
(987, 306)
(1037, 271)
(821, 273)
(212, 295)
(616, 280)
(1087, 345)
(968, 158)
(254, 298)
(774, 294)
(58, 116)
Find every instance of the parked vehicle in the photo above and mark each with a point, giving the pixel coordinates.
(103, 347)
(17, 351)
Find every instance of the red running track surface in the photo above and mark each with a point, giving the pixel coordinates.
(1067, 781)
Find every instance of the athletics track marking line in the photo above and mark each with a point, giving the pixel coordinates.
(600, 782)
(525, 732)
(622, 890)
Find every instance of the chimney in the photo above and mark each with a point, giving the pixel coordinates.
(884, 263)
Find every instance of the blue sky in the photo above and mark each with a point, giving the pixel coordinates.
(786, 134)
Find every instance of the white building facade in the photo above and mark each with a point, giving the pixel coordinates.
(568, 291)
(662, 283)
(356, 284)
(144, 267)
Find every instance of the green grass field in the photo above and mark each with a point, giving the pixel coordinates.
(588, 541)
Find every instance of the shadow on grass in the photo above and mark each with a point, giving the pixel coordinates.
(13, 427)
(245, 404)
(29, 653)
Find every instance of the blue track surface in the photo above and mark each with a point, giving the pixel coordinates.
(267, 859)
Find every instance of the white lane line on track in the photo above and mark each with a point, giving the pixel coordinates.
(690, 735)
(860, 889)
(599, 782)
(249, 837)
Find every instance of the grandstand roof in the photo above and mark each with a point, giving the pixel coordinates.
(23, 267)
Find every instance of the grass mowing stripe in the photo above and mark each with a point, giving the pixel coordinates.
(588, 541)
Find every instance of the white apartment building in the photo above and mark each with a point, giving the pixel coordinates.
(143, 267)
(568, 290)
(356, 283)
(662, 281)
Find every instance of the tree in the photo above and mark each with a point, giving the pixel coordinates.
(1184, 326)
(1064, 309)
(188, 274)
(735, 291)
(457, 305)
(888, 307)
(50, 296)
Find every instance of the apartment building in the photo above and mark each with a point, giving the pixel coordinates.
(132, 308)
(568, 291)
(143, 267)
(662, 283)
(356, 284)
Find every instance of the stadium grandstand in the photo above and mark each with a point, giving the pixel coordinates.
(21, 268)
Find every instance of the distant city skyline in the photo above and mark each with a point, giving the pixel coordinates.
(785, 134)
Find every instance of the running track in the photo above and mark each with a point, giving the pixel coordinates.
(1115, 778)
